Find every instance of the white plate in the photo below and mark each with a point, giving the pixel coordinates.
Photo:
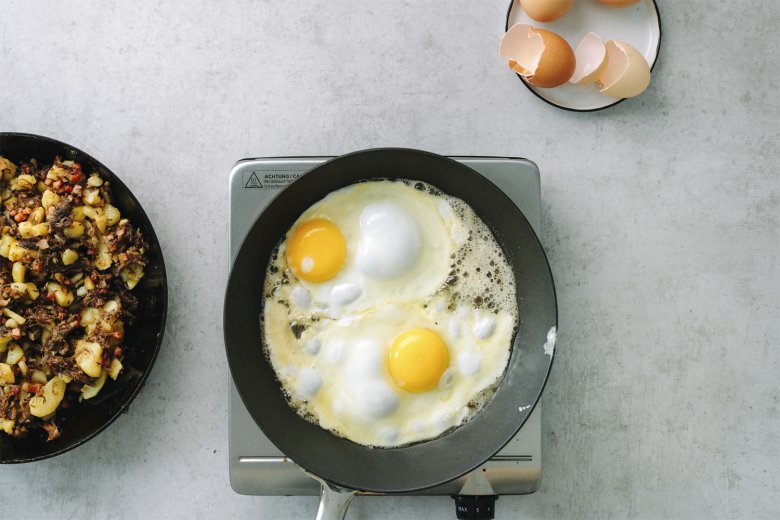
(638, 25)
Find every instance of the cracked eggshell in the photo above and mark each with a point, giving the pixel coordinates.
(541, 57)
(627, 73)
(591, 58)
(618, 3)
(546, 10)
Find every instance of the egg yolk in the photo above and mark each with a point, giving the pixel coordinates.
(418, 358)
(316, 250)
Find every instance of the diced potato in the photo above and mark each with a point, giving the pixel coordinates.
(74, 230)
(56, 172)
(6, 374)
(101, 221)
(114, 369)
(89, 315)
(62, 295)
(66, 378)
(23, 182)
(85, 212)
(79, 213)
(89, 284)
(15, 354)
(25, 229)
(112, 214)
(7, 425)
(18, 272)
(16, 317)
(47, 403)
(36, 217)
(49, 198)
(111, 306)
(38, 376)
(6, 241)
(32, 290)
(69, 256)
(97, 215)
(90, 391)
(4, 341)
(88, 357)
(7, 169)
(103, 260)
(94, 181)
(11, 324)
(17, 253)
(132, 275)
(28, 229)
(22, 367)
(92, 197)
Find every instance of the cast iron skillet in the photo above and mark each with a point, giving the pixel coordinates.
(342, 464)
(143, 339)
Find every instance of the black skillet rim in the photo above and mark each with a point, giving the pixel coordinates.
(116, 181)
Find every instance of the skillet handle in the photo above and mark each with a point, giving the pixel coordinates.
(334, 501)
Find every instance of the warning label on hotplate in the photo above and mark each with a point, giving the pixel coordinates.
(269, 180)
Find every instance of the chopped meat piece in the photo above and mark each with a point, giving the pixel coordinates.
(52, 431)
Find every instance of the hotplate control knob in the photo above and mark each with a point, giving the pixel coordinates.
(475, 507)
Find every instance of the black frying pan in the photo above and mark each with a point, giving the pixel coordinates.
(345, 464)
(143, 339)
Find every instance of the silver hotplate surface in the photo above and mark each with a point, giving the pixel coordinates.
(257, 467)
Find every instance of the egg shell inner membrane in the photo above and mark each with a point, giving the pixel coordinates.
(627, 73)
(590, 55)
(617, 63)
(522, 49)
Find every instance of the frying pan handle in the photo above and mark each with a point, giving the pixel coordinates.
(334, 501)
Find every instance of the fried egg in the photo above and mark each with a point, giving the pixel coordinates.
(389, 312)
(396, 374)
(369, 244)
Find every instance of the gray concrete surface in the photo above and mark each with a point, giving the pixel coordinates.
(660, 221)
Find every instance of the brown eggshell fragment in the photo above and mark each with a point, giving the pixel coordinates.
(541, 57)
(591, 58)
(627, 73)
(546, 10)
(618, 3)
